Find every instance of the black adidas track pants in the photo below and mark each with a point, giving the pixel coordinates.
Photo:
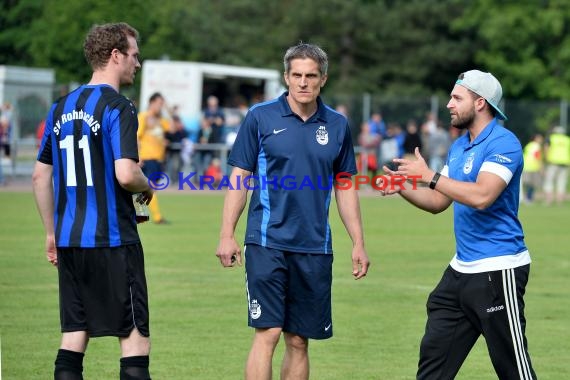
(464, 306)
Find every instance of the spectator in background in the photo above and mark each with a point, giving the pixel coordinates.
(1, 168)
(1, 173)
(242, 107)
(6, 128)
(557, 149)
(532, 171)
(455, 133)
(202, 157)
(173, 111)
(427, 129)
(397, 133)
(342, 109)
(412, 139)
(425, 136)
(389, 148)
(369, 143)
(152, 146)
(176, 137)
(214, 171)
(187, 153)
(234, 120)
(376, 124)
(439, 142)
(40, 132)
(211, 132)
(214, 117)
(5, 133)
(430, 123)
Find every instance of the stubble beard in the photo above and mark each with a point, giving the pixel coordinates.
(463, 122)
(128, 78)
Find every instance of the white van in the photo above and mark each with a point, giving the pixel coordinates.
(186, 85)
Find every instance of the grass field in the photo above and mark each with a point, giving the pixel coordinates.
(198, 309)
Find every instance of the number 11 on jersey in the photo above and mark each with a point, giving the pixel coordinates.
(68, 145)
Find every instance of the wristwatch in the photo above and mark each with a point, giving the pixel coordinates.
(434, 180)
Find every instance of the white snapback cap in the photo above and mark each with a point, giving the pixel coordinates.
(486, 86)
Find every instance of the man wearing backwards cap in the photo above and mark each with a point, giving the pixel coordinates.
(482, 289)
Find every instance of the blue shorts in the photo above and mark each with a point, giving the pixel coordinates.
(289, 290)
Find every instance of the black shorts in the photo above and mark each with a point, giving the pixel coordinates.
(103, 290)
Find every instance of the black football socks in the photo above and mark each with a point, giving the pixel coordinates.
(68, 365)
(134, 368)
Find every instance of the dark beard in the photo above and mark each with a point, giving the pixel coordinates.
(464, 122)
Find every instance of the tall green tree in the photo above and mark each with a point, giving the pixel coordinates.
(404, 47)
(240, 32)
(389, 45)
(56, 36)
(394, 47)
(527, 44)
(16, 16)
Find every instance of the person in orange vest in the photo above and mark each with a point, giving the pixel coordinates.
(152, 147)
(532, 172)
(557, 150)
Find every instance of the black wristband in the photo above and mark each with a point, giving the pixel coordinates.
(434, 181)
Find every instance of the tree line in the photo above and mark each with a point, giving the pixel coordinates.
(412, 47)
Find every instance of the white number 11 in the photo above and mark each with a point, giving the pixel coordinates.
(83, 143)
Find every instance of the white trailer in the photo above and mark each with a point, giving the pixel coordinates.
(186, 85)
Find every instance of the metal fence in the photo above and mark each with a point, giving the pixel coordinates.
(525, 118)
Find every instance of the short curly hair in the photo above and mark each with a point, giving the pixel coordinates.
(102, 39)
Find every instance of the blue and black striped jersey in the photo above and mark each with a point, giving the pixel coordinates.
(86, 131)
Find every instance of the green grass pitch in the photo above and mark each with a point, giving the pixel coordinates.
(198, 309)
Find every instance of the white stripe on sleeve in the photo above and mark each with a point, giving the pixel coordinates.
(500, 170)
